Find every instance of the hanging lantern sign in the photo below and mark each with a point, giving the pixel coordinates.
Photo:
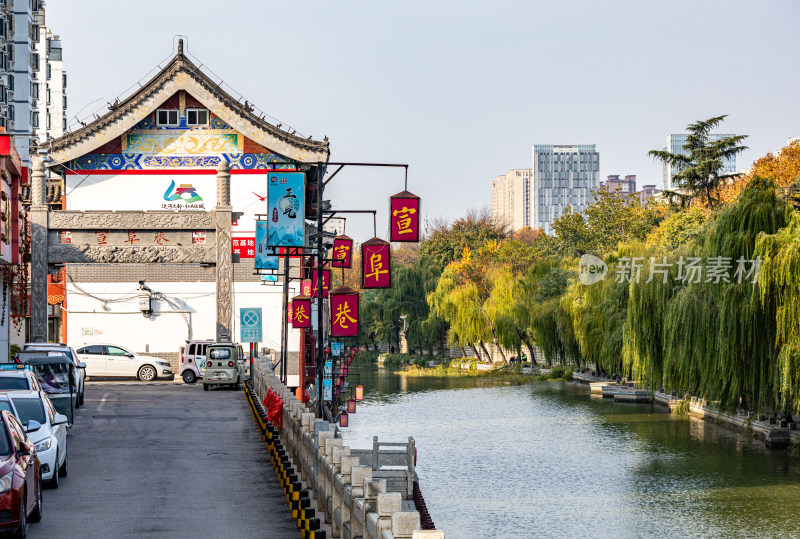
(359, 393)
(351, 406)
(301, 312)
(344, 313)
(326, 283)
(342, 252)
(305, 288)
(404, 217)
(343, 419)
(375, 264)
(289, 312)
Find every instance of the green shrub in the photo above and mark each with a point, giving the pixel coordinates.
(366, 356)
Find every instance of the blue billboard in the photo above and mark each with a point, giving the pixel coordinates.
(264, 257)
(286, 215)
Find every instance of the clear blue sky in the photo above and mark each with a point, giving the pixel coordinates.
(460, 90)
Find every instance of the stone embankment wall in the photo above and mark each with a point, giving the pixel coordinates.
(338, 490)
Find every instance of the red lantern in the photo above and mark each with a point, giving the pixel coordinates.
(404, 217)
(342, 252)
(344, 312)
(344, 370)
(301, 312)
(326, 281)
(359, 393)
(351, 406)
(343, 419)
(375, 264)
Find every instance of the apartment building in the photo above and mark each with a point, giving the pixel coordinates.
(511, 199)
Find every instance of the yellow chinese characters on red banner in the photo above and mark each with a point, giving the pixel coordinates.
(344, 312)
(376, 257)
(404, 217)
(301, 312)
(342, 252)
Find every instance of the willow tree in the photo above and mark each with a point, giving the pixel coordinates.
(700, 166)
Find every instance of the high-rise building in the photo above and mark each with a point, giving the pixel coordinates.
(52, 81)
(563, 175)
(614, 183)
(675, 144)
(511, 199)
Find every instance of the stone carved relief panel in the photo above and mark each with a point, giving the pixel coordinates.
(86, 254)
(123, 220)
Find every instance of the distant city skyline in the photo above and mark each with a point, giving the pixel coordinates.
(428, 84)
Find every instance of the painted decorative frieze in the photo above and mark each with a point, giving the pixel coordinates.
(122, 220)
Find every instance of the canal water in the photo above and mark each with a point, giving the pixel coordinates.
(548, 460)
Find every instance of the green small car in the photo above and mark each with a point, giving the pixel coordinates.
(222, 365)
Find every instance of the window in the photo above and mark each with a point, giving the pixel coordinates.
(94, 349)
(117, 351)
(29, 409)
(47, 93)
(196, 117)
(65, 123)
(34, 90)
(64, 80)
(11, 83)
(34, 119)
(167, 117)
(11, 111)
(49, 71)
(47, 120)
(35, 62)
(10, 384)
(64, 99)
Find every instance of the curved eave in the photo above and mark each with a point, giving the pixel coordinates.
(181, 74)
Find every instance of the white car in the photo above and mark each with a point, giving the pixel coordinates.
(61, 348)
(16, 377)
(114, 360)
(50, 437)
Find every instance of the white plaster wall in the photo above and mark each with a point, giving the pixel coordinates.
(166, 331)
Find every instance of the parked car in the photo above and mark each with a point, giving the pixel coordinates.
(16, 376)
(20, 479)
(193, 360)
(223, 366)
(47, 429)
(55, 376)
(115, 360)
(80, 369)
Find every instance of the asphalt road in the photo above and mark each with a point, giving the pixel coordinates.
(165, 459)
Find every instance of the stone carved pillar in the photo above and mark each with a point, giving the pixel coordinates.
(224, 249)
(39, 225)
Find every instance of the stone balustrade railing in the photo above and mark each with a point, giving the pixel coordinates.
(362, 493)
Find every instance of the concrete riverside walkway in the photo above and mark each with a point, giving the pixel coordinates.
(165, 460)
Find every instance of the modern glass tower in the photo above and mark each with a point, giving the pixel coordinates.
(563, 175)
(675, 145)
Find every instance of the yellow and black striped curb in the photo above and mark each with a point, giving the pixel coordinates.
(297, 497)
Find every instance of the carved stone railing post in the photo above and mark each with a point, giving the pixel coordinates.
(224, 249)
(39, 224)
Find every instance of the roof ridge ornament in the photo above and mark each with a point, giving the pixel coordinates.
(180, 46)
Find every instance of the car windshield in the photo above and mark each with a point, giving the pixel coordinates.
(8, 383)
(29, 409)
(5, 444)
(220, 353)
(53, 378)
(52, 351)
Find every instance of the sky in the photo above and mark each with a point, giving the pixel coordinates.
(460, 90)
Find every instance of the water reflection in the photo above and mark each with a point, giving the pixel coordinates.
(546, 460)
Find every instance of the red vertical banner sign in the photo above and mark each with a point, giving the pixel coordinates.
(404, 217)
(344, 312)
(376, 257)
(342, 252)
(289, 315)
(301, 312)
(305, 288)
(326, 282)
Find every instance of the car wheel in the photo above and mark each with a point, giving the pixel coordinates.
(53, 483)
(205, 387)
(189, 377)
(147, 373)
(22, 529)
(36, 516)
(63, 470)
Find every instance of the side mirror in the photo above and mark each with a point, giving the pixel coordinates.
(81, 365)
(60, 419)
(32, 426)
(130, 355)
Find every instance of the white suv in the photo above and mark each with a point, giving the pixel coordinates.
(114, 360)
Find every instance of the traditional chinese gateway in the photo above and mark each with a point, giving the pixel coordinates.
(160, 150)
